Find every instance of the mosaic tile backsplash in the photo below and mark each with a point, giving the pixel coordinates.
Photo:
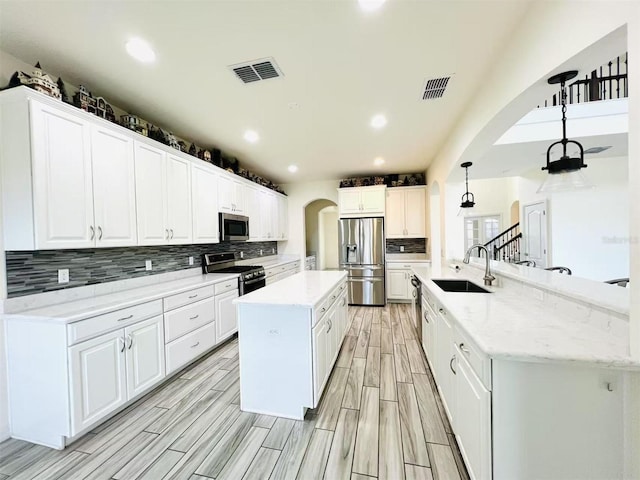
(37, 271)
(411, 245)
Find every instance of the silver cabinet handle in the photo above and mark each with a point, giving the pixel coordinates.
(166, 231)
(464, 349)
(193, 296)
(425, 317)
(453, 359)
(344, 301)
(195, 345)
(123, 344)
(171, 230)
(330, 325)
(193, 318)
(333, 297)
(441, 310)
(323, 309)
(93, 232)
(130, 338)
(125, 318)
(227, 285)
(99, 232)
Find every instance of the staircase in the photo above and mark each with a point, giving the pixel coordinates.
(506, 245)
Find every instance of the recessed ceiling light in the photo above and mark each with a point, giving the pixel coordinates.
(378, 161)
(140, 50)
(293, 168)
(370, 5)
(378, 121)
(251, 136)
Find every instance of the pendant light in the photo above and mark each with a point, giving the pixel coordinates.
(468, 200)
(565, 174)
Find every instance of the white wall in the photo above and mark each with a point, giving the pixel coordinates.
(328, 238)
(4, 399)
(300, 195)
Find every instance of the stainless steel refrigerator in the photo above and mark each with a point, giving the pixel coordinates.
(362, 256)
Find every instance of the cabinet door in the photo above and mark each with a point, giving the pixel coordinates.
(151, 199)
(275, 223)
(349, 200)
(254, 213)
(397, 287)
(319, 335)
(239, 198)
(265, 215)
(446, 361)
(414, 212)
(394, 221)
(283, 218)
(98, 379)
(373, 200)
(428, 333)
(178, 200)
(226, 315)
(145, 355)
(62, 179)
(473, 420)
(204, 196)
(332, 337)
(114, 189)
(225, 194)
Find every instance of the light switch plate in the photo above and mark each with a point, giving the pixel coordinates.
(63, 275)
(260, 252)
(147, 265)
(402, 248)
(190, 260)
(241, 254)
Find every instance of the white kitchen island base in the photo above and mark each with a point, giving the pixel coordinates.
(289, 335)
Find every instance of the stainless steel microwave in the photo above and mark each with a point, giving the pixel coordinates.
(234, 228)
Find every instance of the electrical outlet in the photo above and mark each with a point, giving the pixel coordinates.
(402, 248)
(273, 250)
(147, 265)
(260, 252)
(241, 254)
(190, 260)
(63, 275)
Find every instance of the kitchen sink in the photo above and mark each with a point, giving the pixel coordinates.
(460, 286)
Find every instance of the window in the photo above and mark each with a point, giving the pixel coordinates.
(480, 230)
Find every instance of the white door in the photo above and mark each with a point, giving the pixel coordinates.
(414, 212)
(226, 315)
(178, 200)
(534, 233)
(145, 355)
(320, 338)
(98, 379)
(397, 287)
(480, 229)
(395, 219)
(349, 200)
(225, 194)
(114, 189)
(254, 214)
(204, 196)
(62, 179)
(151, 199)
(373, 200)
(283, 218)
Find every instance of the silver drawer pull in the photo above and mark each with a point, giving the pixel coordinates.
(323, 309)
(228, 285)
(441, 310)
(425, 317)
(195, 345)
(193, 296)
(333, 297)
(193, 318)
(464, 349)
(453, 359)
(125, 318)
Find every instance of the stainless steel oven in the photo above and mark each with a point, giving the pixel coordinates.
(234, 228)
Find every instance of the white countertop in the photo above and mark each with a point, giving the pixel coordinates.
(97, 305)
(304, 289)
(270, 261)
(516, 323)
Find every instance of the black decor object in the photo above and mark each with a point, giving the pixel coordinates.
(193, 150)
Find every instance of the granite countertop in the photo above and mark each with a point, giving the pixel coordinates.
(77, 310)
(520, 324)
(304, 289)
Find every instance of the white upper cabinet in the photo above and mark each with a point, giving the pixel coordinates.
(362, 201)
(204, 198)
(283, 217)
(231, 195)
(406, 212)
(253, 211)
(178, 199)
(62, 179)
(151, 198)
(114, 190)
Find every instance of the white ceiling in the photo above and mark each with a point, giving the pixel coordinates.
(341, 66)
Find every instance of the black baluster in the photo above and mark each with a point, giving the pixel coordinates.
(604, 87)
(618, 77)
(594, 87)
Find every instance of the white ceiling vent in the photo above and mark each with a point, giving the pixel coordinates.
(435, 87)
(257, 70)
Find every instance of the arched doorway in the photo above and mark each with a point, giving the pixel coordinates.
(515, 212)
(321, 232)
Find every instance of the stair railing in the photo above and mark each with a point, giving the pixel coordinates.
(506, 245)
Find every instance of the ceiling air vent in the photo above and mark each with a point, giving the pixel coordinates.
(257, 70)
(593, 150)
(435, 87)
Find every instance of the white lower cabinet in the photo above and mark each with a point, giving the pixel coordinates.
(320, 363)
(185, 349)
(113, 368)
(445, 364)
(398, 284)
(226, 314)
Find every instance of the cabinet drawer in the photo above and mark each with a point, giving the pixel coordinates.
(188, 318)
(224, 287)
(91, 327)
(186, 348)
(181, 299)
(479, 361)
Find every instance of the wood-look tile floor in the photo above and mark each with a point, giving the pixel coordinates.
(380, 417)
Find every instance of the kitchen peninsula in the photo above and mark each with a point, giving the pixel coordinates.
(289, 335)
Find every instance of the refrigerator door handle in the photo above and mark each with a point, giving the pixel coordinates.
(366, 279)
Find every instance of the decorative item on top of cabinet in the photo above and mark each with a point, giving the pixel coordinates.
(38, 80)
(406, 209)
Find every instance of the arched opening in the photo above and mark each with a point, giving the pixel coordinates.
(515, 212)
(321, 232)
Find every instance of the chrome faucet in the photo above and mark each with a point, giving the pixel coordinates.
(488, 278)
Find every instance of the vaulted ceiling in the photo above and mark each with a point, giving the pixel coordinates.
(340, 64)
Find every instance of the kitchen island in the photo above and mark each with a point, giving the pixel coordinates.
(290, 334)
(535, 374)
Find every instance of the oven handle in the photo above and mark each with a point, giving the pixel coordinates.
(255, 280)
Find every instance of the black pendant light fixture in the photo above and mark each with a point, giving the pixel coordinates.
(565, 172)
(468, 200)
